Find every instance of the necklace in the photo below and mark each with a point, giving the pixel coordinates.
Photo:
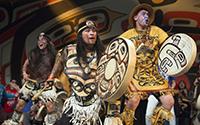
(90, 63)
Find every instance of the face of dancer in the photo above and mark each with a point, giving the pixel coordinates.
(42, 42)
(89, 36)
(142, 18)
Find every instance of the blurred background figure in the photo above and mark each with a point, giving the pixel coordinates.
(35, 71)
(10, 99)
(2, 93)
(195, 111)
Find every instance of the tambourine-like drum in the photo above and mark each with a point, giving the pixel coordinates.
(115, 69)
(177, 54)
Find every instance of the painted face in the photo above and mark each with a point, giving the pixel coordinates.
(89, 36)
(42, 42)
(142, 18)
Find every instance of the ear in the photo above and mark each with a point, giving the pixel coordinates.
(135, 17)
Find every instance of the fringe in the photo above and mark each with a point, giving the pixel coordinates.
(82, 115)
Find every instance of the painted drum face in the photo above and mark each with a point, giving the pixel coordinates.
(177, 54)
(115, 69)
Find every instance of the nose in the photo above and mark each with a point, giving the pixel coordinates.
(91, 32)
(146, 15)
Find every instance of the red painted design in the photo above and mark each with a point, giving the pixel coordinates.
(182, 14)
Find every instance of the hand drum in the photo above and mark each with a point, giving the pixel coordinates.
(177, 54)
(115, 69)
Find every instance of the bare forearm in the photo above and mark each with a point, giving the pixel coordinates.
(25, 73)
(24, 69)
(58, 67)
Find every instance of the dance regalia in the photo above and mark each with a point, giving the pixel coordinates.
(39, 74)
(83, 106)
(147, 76)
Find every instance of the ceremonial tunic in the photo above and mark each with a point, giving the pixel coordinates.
(83, 105)
(146, 76)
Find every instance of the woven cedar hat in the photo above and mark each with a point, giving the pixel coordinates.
(139, 7)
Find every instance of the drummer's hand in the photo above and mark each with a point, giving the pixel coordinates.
(49, 83)
(50, 104)
(131, 87)
(133, 102)
(134, 98)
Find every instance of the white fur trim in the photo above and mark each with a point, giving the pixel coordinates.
(82, 114)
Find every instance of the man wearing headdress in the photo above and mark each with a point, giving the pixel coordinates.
(147, 79)
(78, 62)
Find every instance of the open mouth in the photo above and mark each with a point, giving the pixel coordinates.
(92, 38)
(146, 21)
(41, 45)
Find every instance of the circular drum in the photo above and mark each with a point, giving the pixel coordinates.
(177, 54)
(115, 69)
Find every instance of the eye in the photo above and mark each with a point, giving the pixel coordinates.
(93, 29)
(87, 30)
(92, 87)
(75, 83)
(144, 13)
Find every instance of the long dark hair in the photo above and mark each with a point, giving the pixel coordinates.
(81, 48)
(36, 53)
